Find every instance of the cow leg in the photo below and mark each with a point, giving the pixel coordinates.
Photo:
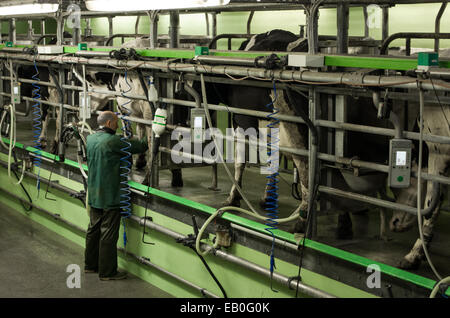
(141, 162)
(383, 220)
(146, 112)
(344, 229)
(177, 178)
(234, 198)
(413, 259)
(435, 122)
(383, 226)
(436, 164)
(54, 148)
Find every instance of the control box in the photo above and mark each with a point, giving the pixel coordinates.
(50, 49)
(306, 60)
(16, 92)
(198, 125)
(400, 163)
(427, 60)
(85, 105)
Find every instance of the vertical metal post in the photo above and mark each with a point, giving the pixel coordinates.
(1, 30)
(110, 27)
(154, 182)
(437, 26)
(208, 29)
(136, 25)
(385, 27)
(87, 29)
(249, 22)
(174, 29)
(2, 98)
(314, 110)
(154, 18)
(340, 117)
(366, 24)
(12, 30)
(341, 100)
(30, 32)
(342, 28)
(408, 46)
(43, 29)
(313, 32)
(62, 113)
(76, 36)
(59, 29)
(330, 147)
(214, 24)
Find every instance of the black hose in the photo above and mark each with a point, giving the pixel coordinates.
(210, 272)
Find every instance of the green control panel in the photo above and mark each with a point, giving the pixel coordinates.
(198, 125)
(400, 163)
(16, 92)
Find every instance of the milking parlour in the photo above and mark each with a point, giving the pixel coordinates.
(238, 149)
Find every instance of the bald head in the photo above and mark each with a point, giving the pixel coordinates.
(108, 119)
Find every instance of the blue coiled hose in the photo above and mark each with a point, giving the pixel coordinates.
(125, 163)
(272, 181)
(37, 123)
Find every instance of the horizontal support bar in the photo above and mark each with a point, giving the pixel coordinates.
(366, 62)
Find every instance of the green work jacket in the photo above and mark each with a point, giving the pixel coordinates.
(104, 153)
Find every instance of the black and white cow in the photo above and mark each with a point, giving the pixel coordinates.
(367, 147)
(99, 102)
(436, 120)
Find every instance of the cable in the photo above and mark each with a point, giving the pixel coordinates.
(272, 180)
(125, 166)
(4, 119)
(438, 285)
(230, 176)
(37, 123)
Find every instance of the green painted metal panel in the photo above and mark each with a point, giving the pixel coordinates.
(166, 253)
(323, 248)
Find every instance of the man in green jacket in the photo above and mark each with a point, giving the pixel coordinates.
(104, 151)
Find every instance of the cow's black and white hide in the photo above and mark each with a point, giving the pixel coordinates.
(47, 93)
(94, 81)
(361, 111)
(141, 109)
(255, 98)
(436, 122)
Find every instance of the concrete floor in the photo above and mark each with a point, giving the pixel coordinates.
(33, 263)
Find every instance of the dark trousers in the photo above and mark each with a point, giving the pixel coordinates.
(101, 241)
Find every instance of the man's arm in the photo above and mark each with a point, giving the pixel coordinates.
(137, 146)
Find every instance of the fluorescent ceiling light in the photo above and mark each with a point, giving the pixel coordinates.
(28, 9)
(137, 5)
